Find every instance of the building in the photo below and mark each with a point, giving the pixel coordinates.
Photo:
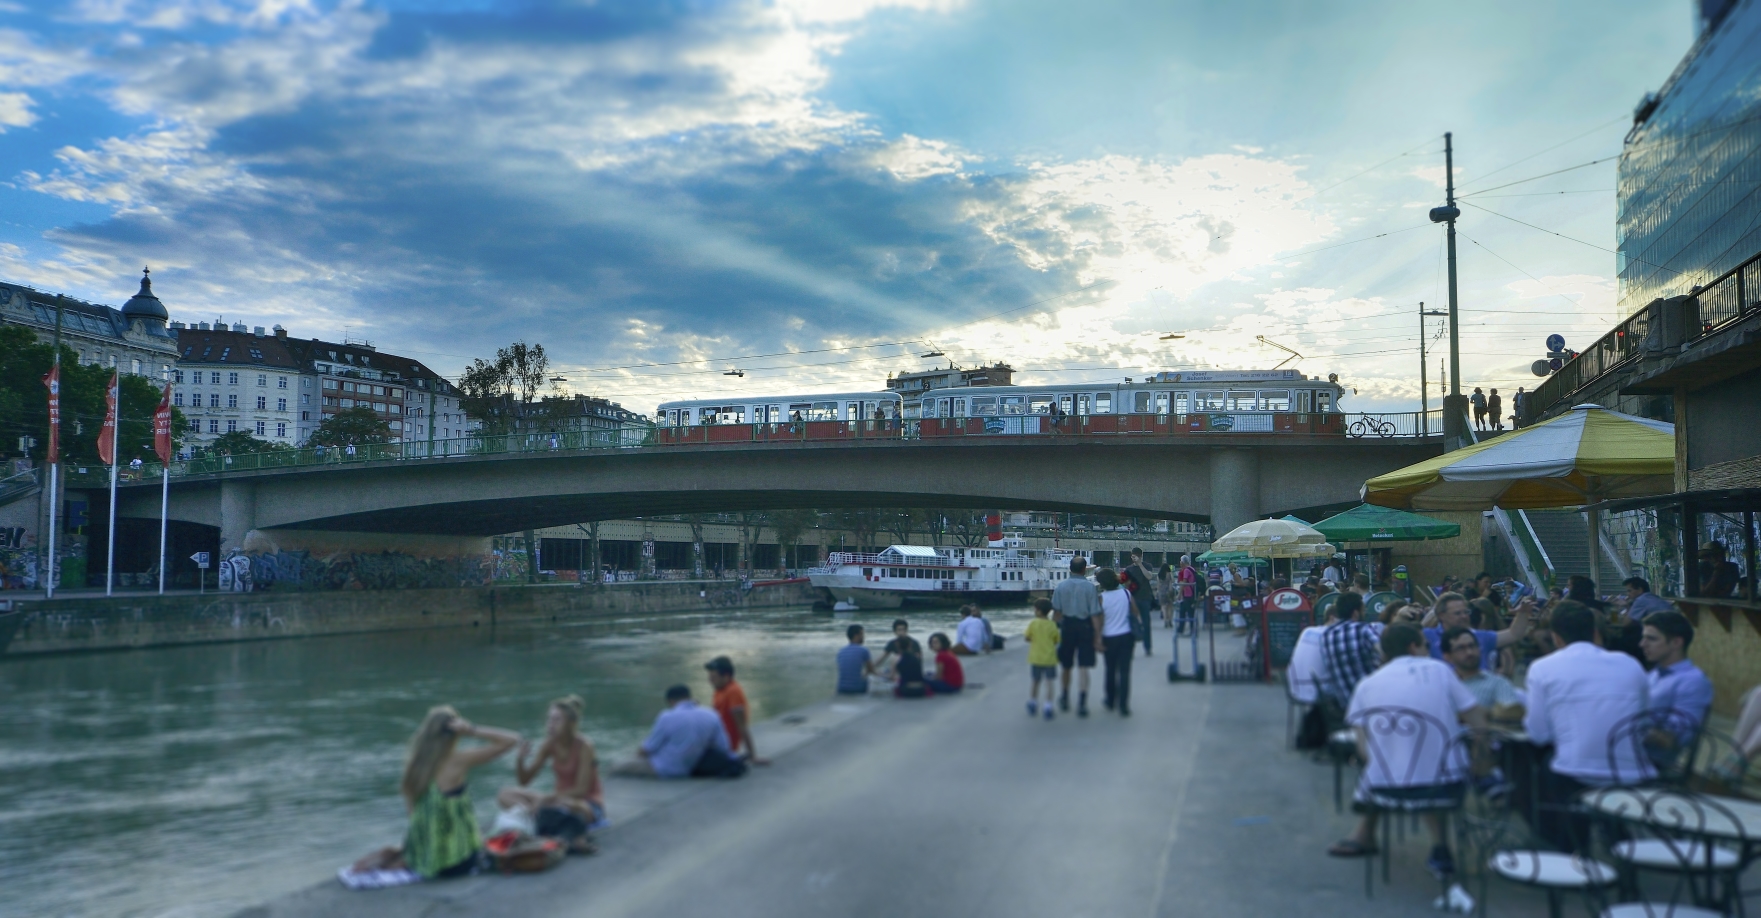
(415, 401)
(134, 338)
(911, 386)
(232, 379)
(559, 414)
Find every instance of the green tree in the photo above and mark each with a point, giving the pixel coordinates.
(240, 442)
(501, 391)
(351, 426)
(24, 403)
(790, 525)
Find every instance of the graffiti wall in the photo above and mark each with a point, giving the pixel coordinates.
(347, 570)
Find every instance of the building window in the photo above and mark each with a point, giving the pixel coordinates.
(177, 376)
(135, 367)
(232, 401)
(397, 393)
(231, 426)
(177, 399)
(397, 409)
(280, 382)
(263, 380)
(329, 400)
(165, 371)
(214, 398)
(112, 361)
(232, 379)
(195, 425)
(330, 384)
(281, 404)
(396, 425)
(305, 415)
(262, 403)
(378, 390)
(305, 398)
(379, 407)
(281, 428)
(262, 428)
(214, 378)
(213, 426)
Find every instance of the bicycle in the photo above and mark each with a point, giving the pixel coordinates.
(1363, 427)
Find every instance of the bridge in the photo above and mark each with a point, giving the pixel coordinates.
(492, 485)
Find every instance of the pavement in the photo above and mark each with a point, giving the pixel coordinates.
(964, 806)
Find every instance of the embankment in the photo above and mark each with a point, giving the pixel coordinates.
(82, 624)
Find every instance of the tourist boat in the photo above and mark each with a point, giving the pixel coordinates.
(1005, 572)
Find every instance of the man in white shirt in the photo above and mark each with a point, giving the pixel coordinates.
(1408, 717)
(1578, 694)
(1333, 573)
(1307, 661)
(971, 638)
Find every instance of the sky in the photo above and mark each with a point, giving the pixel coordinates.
(818, 192)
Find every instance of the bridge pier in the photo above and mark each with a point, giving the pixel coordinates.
(238, 512)
(1235, 488)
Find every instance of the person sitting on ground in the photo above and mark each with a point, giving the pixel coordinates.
(577, 804)
(971, 633)
(909, 672)
(855, 663)
(1403, 764)
(1677, 688)
(1577, 696)
(1452, 611)
(1348, 650)
(1640, 601)
(443, 840)
(1496, 696)
(687, 741)
(730, 705)
(1042, 655)
(902, 639)
(949, 677)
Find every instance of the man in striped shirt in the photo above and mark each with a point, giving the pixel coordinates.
(1348, 650)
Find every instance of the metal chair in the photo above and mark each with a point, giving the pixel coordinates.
(1680, 837)
(1390, 787)
(1295, 709)
(1636, 757)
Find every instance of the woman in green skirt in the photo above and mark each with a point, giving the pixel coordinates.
(442, 840)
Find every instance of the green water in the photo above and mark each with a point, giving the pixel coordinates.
(198, 781)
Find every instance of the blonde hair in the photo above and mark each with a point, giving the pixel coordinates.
(429, 748)
(572, 707)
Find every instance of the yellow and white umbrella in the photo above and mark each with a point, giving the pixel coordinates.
(1274, 539)
(1585, 455)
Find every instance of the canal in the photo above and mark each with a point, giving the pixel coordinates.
(201, 780)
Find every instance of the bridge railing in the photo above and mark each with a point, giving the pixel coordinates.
(1383, 425)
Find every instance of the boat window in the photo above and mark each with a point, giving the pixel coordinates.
(1082, 403)
(1210, 400)
(1039, 404)
(1323, 400)
(984, 407)
(1305, 400)
(1140, 403)
(1014, 404)
(1103, 403)
(1239, 401)
(1161, 403)
(1275, 400)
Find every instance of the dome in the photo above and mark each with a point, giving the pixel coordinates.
(145, 305)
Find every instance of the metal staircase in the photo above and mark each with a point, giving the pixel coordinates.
(1564, 536)
(18, 487)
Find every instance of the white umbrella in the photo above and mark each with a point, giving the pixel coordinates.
(1274, 539)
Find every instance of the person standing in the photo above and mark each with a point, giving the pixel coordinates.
(1188, 577)
(1517, 401)
(1078, 610)
(1118, 640)
(730, 705)
(1142, 590)
(1166, 586)
(1495, 410)
(1042, 655)
(1640, 601)
(1479, 402)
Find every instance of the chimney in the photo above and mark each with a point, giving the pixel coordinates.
(281, 333)
(238, 327)
(202, 325)
(258, 331)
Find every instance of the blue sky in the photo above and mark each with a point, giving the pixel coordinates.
(688, 183)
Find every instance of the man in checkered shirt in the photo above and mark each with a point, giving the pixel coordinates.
(1348, 649)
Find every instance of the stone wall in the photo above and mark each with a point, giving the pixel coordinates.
(134, 622)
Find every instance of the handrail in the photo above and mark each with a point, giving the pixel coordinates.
(1524, 535)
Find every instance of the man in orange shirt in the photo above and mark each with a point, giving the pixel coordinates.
(730, 703)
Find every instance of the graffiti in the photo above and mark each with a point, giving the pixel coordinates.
(234, 573)
(299, 570)
(12, 537)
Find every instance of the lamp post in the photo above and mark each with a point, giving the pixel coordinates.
(1454, 409)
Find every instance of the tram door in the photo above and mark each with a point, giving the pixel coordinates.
(951, 408)
(853, 411)
(1082, 404)
(1161, 403)
(1305, 401)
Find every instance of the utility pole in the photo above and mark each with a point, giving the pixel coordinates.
(1424, 385)
(1454, 411)
(55, 461)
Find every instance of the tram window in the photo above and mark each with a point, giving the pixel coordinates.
(1275, 400)
(1211, 400)
(1082, 403)
(868, 410)
(852, 411)
(1103, 403)
(1161, 403)
(824, 411)
(1323, 400)
(1140, 403)
(1064, 403)
(929, 407)
(984, 407)
(1239, 401)
(959, 408)
(1039, 404)
(1182, 403)
(1014, 404)
(1305, 400)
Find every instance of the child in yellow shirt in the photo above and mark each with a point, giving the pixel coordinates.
(1042, 655)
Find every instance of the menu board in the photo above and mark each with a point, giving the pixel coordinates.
(1281, 632)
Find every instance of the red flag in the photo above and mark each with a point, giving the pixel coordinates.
(162, 427)
(53, 383)
(107, 434)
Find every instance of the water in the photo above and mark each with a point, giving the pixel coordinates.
(197, 781)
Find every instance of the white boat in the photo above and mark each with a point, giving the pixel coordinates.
(1005, 572)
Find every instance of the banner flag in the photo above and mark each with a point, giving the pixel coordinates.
(107, 434)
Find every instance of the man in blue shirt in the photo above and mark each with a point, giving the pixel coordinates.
(855, 664)
(1677, 687)
(682, 734)
(1452, 612)
(1640, 601)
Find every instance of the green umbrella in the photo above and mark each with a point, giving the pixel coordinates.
(1228, 557)
(1369, 523)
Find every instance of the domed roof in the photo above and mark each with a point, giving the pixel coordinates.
(145, 305)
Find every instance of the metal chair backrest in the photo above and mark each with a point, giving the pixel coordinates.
(1635, 756)
(1409, 748)
(1682, 829)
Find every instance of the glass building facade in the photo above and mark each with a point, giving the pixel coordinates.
(1689, 182)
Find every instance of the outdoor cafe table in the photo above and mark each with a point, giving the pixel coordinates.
(1708, 817)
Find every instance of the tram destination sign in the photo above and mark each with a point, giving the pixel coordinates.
(1226, 376)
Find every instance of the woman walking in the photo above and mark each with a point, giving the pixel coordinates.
(1118, 640)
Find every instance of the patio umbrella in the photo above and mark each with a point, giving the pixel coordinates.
(1586, 455)
(1274, 539)
(1370, 523)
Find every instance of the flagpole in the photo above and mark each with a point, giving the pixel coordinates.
(110, 551)
(162, 447)
(112, 431)
(55, 451)
(164, 514)
(54, 506)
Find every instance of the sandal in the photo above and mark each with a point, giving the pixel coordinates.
(1350, 847)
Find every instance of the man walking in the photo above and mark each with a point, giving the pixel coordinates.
(1494, 410)
(1076, 607)
(1143, 594)
(1479, 401)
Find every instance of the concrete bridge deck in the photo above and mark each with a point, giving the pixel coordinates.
(963, 806)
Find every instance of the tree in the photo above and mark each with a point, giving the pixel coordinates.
(863, 523)
(970, 528)
(790, 525)
(24, 403)
(501, 391)
(240, 442)
(351, 426)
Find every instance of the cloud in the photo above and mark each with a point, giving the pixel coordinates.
(15, 110)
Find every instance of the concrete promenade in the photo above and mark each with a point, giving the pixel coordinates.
(964, 806)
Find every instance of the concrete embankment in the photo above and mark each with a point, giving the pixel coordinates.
(95, 623)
